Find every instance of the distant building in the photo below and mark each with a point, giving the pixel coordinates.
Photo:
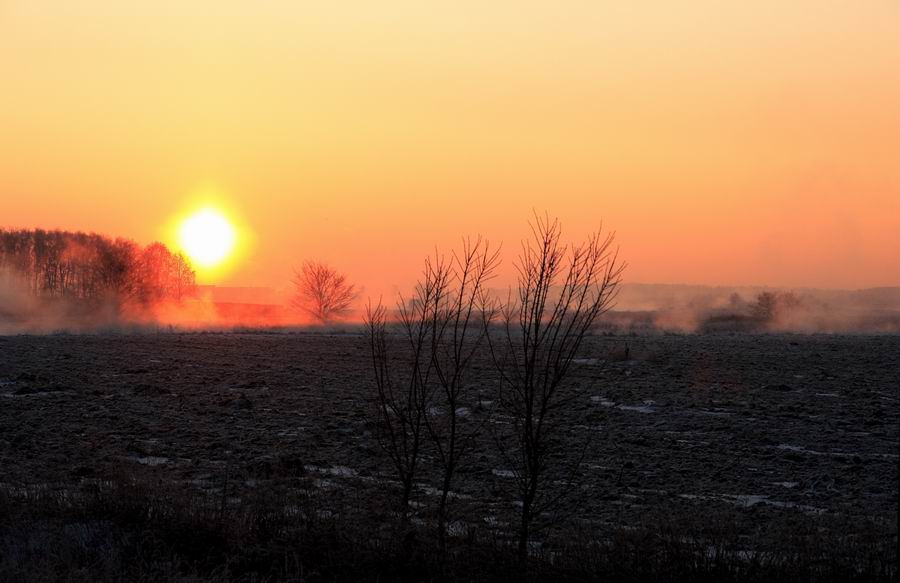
(246, 306)
(241, 295)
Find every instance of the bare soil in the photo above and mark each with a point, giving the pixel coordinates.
(758, 426)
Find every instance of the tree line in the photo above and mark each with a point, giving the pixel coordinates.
(90, 267)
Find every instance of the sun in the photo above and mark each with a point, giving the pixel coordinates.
(207, 237)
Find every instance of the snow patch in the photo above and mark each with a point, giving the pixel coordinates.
(646, 407)
(338, 471)
(151, 460)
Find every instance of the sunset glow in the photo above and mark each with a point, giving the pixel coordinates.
(447, 279)
(718, 139)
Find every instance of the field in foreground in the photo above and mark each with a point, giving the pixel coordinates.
(710, 456)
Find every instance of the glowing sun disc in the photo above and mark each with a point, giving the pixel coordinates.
(207, 237)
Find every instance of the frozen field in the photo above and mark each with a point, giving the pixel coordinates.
(739, 425)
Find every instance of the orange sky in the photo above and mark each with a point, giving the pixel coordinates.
(726, 142)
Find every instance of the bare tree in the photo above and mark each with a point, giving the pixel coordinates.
(461, 312)
(561, 292)
(322, 292)
(402, 393)
(442, 329)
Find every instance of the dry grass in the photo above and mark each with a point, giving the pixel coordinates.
(132, 530)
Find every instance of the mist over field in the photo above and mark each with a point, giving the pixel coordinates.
(54, 280)
(686, 308)
(639, 308)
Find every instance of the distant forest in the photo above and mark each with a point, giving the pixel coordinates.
(90, 267)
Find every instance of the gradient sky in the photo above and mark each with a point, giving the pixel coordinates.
(727, 142)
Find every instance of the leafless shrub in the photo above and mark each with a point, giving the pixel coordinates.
(561, 292)
(322, 292)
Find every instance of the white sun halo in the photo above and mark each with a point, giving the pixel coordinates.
(207, 237)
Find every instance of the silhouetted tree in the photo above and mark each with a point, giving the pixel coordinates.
(422, 380)
(764, 309)
(322, 292)
(461, 312)
(561, 292)
(401, 397)
(772, 306)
